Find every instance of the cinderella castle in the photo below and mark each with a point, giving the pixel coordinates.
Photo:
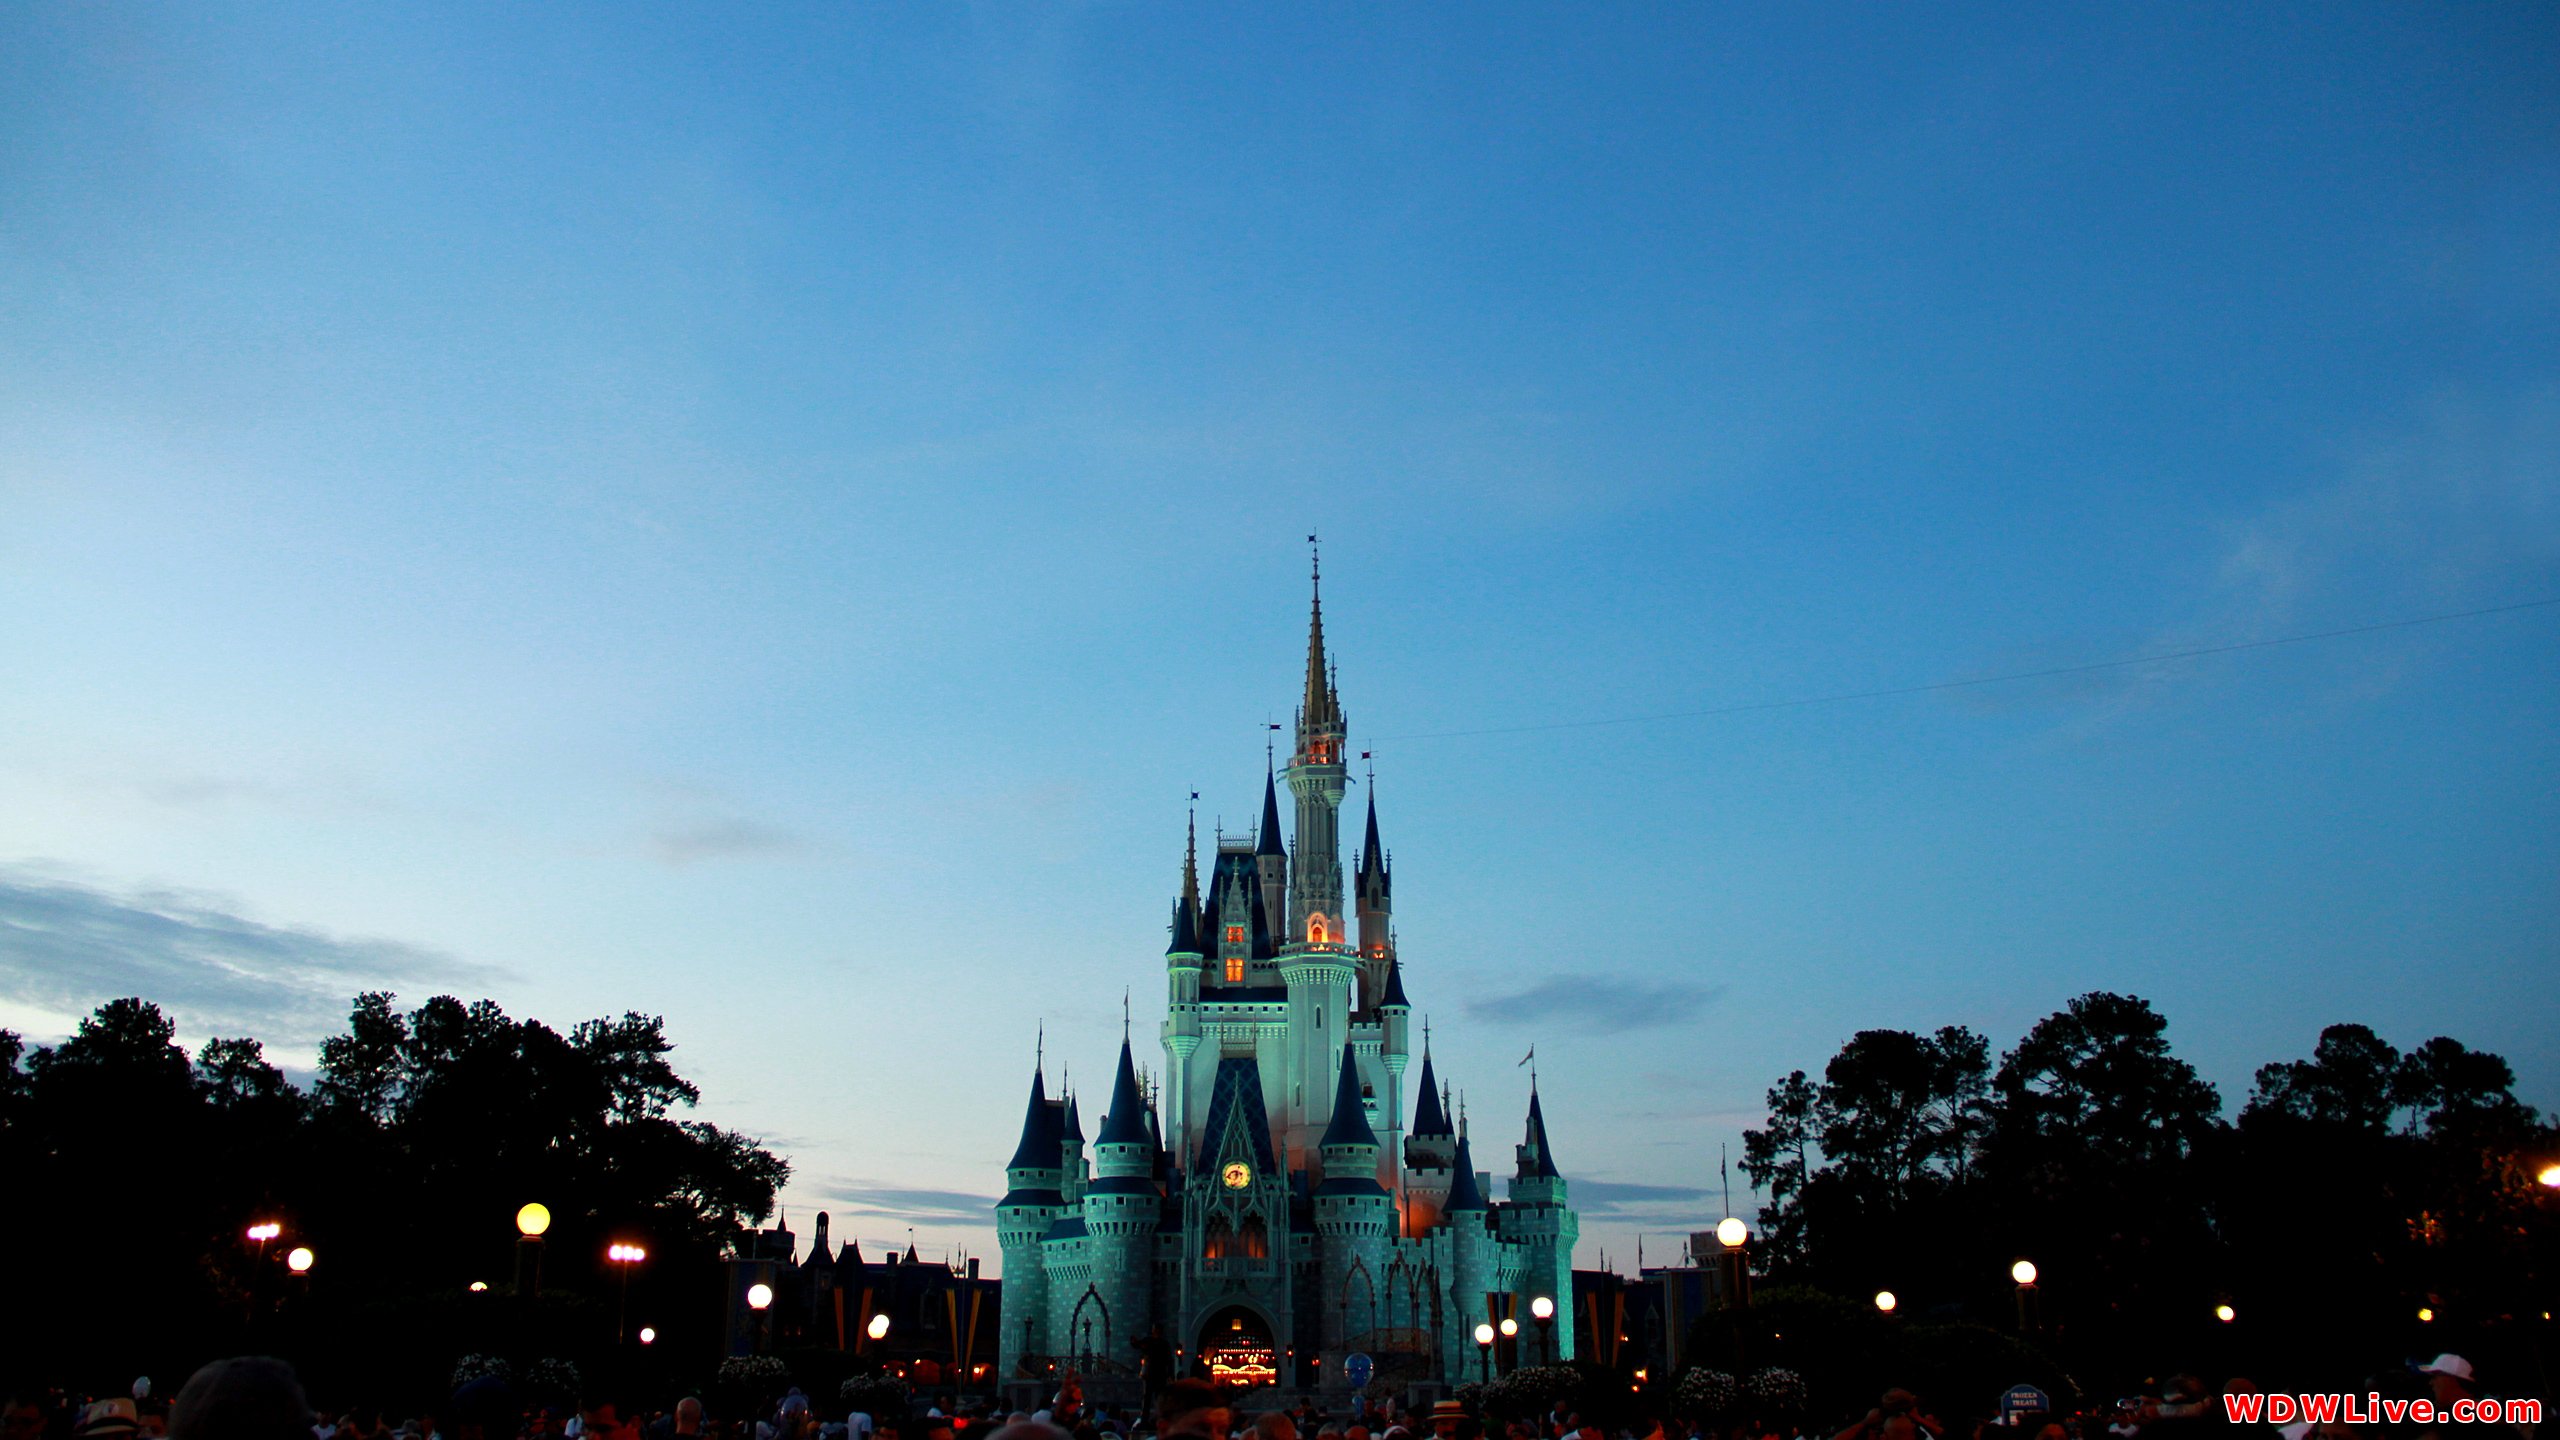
(1273, 1208)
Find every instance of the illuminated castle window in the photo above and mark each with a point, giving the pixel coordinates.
(1235, 969)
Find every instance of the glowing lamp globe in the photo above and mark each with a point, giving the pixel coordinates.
(2426, 1314)
(1510, 1327)
(2549, 1175)
(648, 1334)
(1542, 1308)
(2225, 1314)
(1731, 1233)
(532, 1220)
(1885, 1301)
(878, 1329)
(299, 1260)
(759, 1295)
(1484, 1335)
(479, 1287)
(2024, 1272)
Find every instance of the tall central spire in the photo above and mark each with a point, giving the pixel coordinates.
(1316, 778)
(1318, 710)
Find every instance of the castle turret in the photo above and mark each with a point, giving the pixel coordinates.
(1121, 1207)
(1183, 958)
(1473, 1263)
(1317, 778)
(1541, 1227)
(1032, 1203)
(1354, 1217)
(1271, 863)
(1374, 888)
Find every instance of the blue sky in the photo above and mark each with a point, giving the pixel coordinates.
(765, 517)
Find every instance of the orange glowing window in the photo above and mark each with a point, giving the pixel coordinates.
(1315, 929)
(1235, 969)
(1235, 934)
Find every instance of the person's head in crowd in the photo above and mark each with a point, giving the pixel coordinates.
(248, 1397)
(114, 1418)
(1192, 1407)
(1275, 1425)
(2449, 1379)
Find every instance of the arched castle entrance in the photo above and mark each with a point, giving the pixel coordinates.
(1236, 1344)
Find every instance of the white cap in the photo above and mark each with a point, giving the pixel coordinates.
(2453, 1365)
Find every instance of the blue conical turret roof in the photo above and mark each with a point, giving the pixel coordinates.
(1463, 1194)
(1350, 1123)
(1428, 1117)
(1040, 1137)
(1395, 986)
(1535, 1158)
(1268, 841)
(1127, 1122)
(1186, 933)
(1373, 856)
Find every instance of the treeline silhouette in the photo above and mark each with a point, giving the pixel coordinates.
(134, 1171)
(2357, 1188)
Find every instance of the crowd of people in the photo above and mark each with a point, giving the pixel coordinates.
(260, 1398)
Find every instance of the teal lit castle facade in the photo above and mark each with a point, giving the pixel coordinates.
(1271, 1206)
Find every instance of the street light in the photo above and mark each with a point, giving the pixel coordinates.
(1484, 1353)
(648, 1334)
(759, 1296)
(624, 1256)
(1543, 1310)
(479, 1286)
(2549, 1175)
(531, 1221)
(1510, 1329)
(298, 1259)
(1731, 1233)
(2426, 1314)
(1734, 1236)
(2024, 1273)
(878, 1328)
(1885, 1302)
(2225, 1313)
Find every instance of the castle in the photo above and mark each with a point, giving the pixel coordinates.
(1270, 1210)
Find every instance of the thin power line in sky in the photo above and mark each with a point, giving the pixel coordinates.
(2003, 679)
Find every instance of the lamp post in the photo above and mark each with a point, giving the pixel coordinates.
(1510, 1344)
(760, 1300)
(1484, 1353)
(1543, 1310)
(624, 1257)
(2024, 1275)
(531, 1221)
(1735, 1237)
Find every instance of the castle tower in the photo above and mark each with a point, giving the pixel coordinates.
(1032, 1203)
(1472, 1265)
(1271, 864)
(1394, 1019)
(1183, 958)
(1354, 1218)
(1121, 1208)
(1374, 898)
(1541, 1227)
(1317, 778)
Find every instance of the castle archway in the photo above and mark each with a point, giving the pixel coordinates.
(1237, 1345)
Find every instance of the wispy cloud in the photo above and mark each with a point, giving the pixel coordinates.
(1595, 1004)
(849, 1200)
(66, 947)
(1624, 1200)
(727, 838)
